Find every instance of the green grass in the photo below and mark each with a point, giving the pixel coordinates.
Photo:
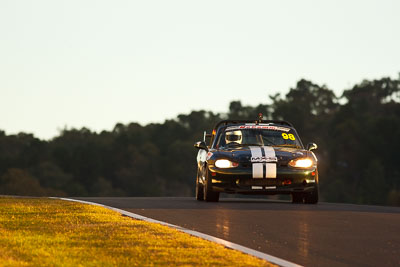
(49, 232)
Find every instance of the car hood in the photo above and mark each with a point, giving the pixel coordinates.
(243, 154)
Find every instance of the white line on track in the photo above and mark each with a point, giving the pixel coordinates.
(223, 242)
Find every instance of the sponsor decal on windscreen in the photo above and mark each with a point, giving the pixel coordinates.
(259, 126)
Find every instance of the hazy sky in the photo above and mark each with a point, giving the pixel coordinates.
(96, 63)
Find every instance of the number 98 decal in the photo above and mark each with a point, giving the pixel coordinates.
(288, 136)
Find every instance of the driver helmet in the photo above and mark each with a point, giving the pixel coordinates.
(233, 136)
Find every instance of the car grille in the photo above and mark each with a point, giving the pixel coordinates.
(260, 182)
(280, 164)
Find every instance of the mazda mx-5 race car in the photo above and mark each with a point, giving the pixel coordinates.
(256, 157)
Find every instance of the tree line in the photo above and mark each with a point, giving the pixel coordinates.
(358, 137)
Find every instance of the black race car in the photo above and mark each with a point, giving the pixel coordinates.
(256, 157)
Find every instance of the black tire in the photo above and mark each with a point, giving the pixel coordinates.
(199, 189)
(209, 194)
(312, 197)
(297, 198)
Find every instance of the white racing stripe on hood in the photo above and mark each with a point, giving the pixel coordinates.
(257, 167)
(270, 168)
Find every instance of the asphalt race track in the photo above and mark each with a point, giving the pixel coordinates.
(312, 235)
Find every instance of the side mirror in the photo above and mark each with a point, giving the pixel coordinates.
(311, 146)
(201, 145)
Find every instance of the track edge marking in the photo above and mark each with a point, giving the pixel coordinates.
(225, 243)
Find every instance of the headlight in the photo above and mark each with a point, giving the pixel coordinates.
(301, 163)
(224, 163)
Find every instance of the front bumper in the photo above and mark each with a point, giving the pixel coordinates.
(240, 180)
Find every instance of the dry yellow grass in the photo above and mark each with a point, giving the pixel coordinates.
(49, 232)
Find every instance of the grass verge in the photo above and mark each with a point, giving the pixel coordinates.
(49, 232)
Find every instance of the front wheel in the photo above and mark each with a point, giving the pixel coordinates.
(312, 197)
(199, 189)
(297, 198)
(209, 194)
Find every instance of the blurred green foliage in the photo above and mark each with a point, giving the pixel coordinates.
(358, 135)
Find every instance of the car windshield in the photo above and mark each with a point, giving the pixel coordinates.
(258, 136)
